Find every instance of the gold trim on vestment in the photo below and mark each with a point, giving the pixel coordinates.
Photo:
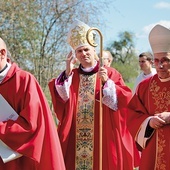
(161, 98)
(85, 123)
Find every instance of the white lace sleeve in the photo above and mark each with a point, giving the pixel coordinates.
(110, 96)
(63, 90)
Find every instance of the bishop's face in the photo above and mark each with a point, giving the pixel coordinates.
(162, 64)
(85, 55)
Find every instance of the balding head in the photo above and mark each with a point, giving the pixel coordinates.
(2, 44)
(3, 54)
(107, 58)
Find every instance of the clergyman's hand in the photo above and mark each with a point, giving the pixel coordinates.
(70, 61)
(165, 116)
(103, 74)
(156, 122)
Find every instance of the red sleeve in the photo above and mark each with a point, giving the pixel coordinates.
(58, 104)
(27, 134)
(137, 109)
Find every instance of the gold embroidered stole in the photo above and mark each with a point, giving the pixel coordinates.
(161, 98)
(85, 123)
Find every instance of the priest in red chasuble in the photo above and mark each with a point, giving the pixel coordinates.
(149, 109)
(75, 96)
(32, 137)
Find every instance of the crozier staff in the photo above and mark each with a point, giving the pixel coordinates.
(75, 96)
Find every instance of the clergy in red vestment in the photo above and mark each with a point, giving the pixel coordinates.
(75, 97)
(149, 109)
(33, 136)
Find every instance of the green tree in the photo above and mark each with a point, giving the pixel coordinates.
(36, 32)
(125, 57)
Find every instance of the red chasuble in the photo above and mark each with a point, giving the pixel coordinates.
(153, 97)
(117, 141)
(34, 133)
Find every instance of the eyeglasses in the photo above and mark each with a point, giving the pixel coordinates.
(163, 61)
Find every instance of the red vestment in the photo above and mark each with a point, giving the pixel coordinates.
(34, 133)
(117, 141)
(153, 96)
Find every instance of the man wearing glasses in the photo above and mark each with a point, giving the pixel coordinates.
(149, 109)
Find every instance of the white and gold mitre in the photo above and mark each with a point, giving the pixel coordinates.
(77, 35)
(159, 39)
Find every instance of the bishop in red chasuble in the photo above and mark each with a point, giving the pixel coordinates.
(149, 109)
(75, 96)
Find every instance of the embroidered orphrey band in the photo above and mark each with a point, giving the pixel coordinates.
(85, 123)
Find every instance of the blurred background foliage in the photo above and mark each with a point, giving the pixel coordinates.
(35, 33)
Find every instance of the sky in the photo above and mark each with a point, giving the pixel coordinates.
(137, 16)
